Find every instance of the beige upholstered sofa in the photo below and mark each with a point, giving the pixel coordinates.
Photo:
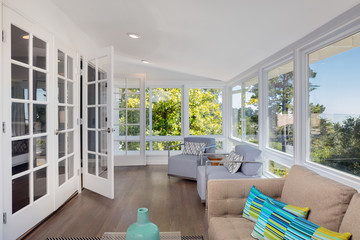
(332, 205)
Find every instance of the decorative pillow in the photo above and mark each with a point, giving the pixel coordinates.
(193, 148)
(233, 167)
(255, 202)
(272, 222)
(276, 223)
(304, 229)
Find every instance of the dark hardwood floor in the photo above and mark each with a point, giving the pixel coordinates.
(173, 204)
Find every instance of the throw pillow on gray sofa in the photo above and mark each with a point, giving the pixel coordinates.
(193, 148)
(232, 166)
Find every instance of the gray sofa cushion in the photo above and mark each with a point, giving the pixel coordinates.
(250, 153)
(214, 172)
(207, 140)
(183, 166)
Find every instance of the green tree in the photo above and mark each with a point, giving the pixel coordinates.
(205, 111)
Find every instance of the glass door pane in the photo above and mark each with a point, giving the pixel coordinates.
(66, 116)
(99, 162)
(26, 91)
(129, 108)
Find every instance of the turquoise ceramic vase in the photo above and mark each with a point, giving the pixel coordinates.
(143, 229)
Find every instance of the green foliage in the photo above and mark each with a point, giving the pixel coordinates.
(278, 169)
(166, 112)
(164, 145)
(205, 114)
(338, 145)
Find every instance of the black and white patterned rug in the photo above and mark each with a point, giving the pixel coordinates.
(114, 238)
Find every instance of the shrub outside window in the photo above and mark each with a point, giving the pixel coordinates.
(205, 111)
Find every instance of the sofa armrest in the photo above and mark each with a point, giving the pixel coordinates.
(227, 197)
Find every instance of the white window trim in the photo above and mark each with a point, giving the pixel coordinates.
(230, 121)
(303, 158)
(185, 116)
(275, 155)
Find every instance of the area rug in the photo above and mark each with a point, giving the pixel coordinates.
(113, 238)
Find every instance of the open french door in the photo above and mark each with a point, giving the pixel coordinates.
(98, 156)
(67, 131)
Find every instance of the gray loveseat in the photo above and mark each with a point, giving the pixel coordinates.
(332, 205)
(183, 165)
(249, 169)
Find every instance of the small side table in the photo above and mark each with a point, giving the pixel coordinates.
(215, 158)
(122, 236)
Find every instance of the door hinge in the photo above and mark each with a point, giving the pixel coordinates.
(4, 218)
(3, 36)
(3, 127)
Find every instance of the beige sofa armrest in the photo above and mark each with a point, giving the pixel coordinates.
(227, 197)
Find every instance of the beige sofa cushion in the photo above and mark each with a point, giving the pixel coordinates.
(221, 228)
(327, 199)
(351, 221)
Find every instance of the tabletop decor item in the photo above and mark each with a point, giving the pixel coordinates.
(143, 229)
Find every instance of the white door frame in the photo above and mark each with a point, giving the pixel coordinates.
(36, 211)
(1, 130)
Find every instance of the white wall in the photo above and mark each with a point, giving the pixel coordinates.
(53, 20)
(1, 137)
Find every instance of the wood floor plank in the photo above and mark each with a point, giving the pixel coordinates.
(173, 204)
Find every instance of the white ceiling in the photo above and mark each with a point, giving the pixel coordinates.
(216, 39)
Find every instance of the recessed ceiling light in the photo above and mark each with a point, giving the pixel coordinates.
(133, 35)
(144, 61)
(26, 37)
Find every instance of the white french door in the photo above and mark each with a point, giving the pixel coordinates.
(98, 157)
(129, 122)
(29, 137)
(68, 129)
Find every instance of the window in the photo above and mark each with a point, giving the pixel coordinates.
(205, 111)
(163, 118)
(333, 87)
(277, 169)
(166, 112)
(281, 108)
(236, 102)
(245, 111)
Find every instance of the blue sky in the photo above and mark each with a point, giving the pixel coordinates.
(338, 78)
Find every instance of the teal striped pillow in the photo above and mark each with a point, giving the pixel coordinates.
(256, 199)
(272, 223)
(275, 223)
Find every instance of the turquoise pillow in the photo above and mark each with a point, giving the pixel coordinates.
(255, 201)
(275, 223)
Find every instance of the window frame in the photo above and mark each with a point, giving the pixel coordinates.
(304, 119)
(265, 120)
(152, 138)
(186, 111)
(185, 127)
(241, 83)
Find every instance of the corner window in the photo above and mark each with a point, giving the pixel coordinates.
(333, 85)
(281, 108)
